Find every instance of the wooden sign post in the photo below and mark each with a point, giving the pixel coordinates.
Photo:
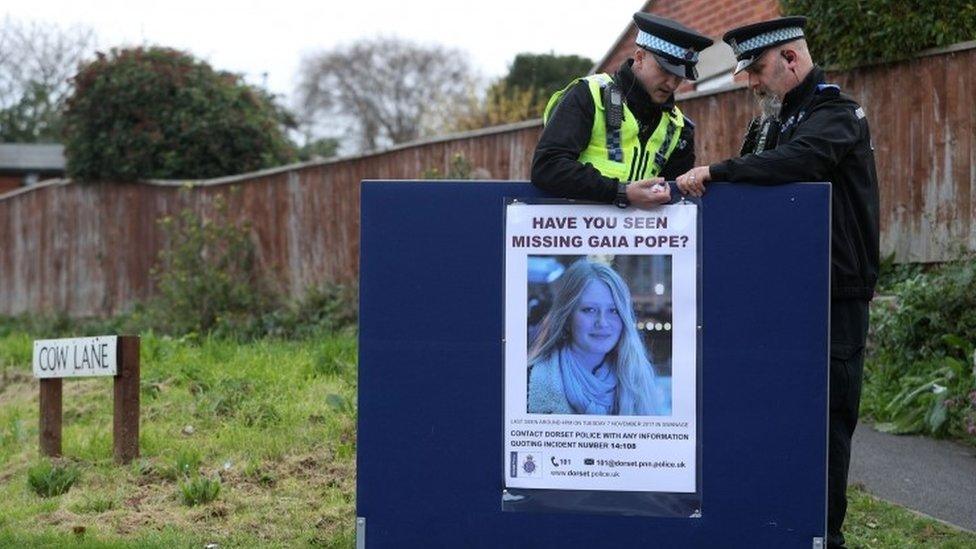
(118, 356)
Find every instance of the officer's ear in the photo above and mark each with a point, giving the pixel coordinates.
(788, 55)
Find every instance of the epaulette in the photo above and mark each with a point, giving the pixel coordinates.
(828, 89)
(688, 122)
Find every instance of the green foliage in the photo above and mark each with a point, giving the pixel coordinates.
(893, 273)
(341, 404)
(33, 119)
(186, 464)
(460, 168)
(160, 113)
(13, 432)
(336, 356)
(522, 94)
(545, 73)
(876, 524)
(318, 149)
(503, 104)
(49, 480)
(284, 457)
(199, 490)
(853, 32)
(208, 278)
(324, 309)
(920, 375)
(94, 505)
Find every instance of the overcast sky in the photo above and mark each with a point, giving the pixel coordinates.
(265, 40)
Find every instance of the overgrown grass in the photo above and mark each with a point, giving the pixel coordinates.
(271, 421)
(199, 490)
(49, 479)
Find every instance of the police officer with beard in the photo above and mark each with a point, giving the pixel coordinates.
(603, 132)
(812, 132)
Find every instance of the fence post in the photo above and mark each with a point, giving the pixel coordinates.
(126, 418)
(50, 411)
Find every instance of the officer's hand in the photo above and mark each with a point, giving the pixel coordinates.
(693, 182)
(648, 193)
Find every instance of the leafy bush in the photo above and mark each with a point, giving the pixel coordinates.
(892, 274)
(48, 480)
(853, 32)
(208, 278)
(324, 309)
(199, 490)
(160, 113)
(919, 375)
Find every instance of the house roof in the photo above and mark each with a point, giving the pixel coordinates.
(32, 157)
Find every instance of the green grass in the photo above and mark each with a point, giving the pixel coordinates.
(272, 421)
(49, 479)
(872, 523)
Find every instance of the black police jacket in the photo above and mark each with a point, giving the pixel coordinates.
(555, 166)
(824, 136)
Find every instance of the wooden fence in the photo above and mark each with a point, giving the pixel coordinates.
(87, 249)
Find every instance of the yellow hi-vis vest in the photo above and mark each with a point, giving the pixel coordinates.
(622, 156)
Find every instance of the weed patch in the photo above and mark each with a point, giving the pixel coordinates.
(49, 480)
(199, 490)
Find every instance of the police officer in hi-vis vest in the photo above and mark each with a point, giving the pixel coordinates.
(614, 138)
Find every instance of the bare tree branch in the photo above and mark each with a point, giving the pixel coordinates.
(37, 61)
(384, 90)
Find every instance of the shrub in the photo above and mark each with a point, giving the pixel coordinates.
(208, 278)
(919, 375)
(48, 480)
(160, 113)
(199, 490)
(324, 309)
(853, 32)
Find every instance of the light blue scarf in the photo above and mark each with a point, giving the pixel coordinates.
(588, 392)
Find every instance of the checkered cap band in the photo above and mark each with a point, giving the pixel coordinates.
(654, 43)
(765, 39)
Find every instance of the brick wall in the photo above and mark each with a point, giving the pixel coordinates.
(10, 182)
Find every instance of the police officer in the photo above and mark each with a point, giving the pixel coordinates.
(602, 132)
(819, 134)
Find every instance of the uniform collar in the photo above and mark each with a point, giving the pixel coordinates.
(796, 97)
(638, 100)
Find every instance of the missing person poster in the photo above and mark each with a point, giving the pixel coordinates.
(601, 365)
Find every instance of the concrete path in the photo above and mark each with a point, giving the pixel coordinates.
(934, 477)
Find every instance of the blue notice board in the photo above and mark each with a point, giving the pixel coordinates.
(431, 374)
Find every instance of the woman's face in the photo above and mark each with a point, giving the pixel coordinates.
(596, 323)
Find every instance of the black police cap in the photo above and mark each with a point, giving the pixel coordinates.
(750, 41)
(674, 45)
